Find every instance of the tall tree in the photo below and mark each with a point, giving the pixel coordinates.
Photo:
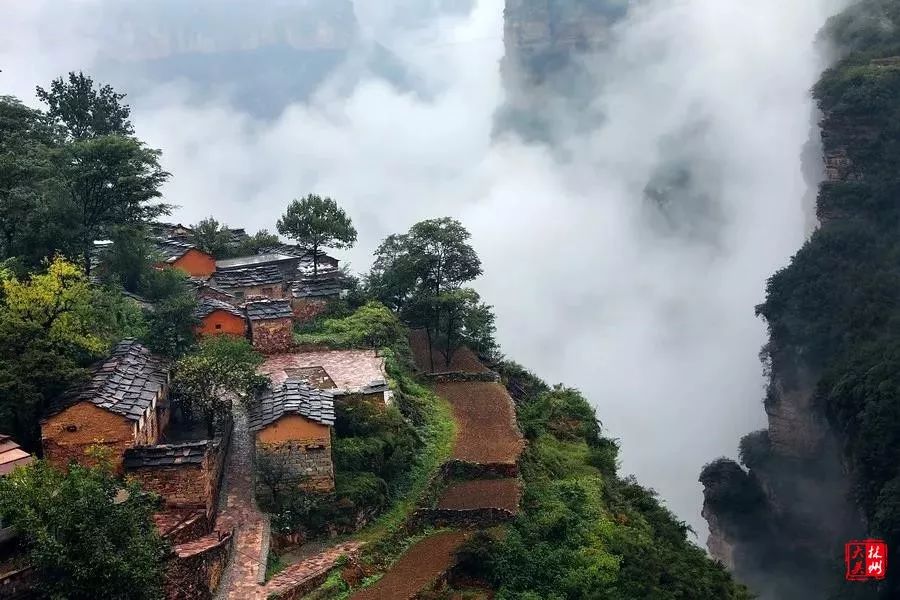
(83, 540)
(316, 223)
(213, 237)
(421, 274)
(86, 110)
(110, 181)
(207, 379)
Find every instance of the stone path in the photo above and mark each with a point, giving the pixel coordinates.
(305, 573)
(238, 510)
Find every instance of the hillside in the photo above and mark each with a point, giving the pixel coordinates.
(825, 470)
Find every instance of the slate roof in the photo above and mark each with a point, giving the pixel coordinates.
(251, 261)
(293, 397)
(11, 455)
(208, 306)
(263, 310)
(125, 383)
(173, 249)
(252, 277)
(166, 455)
(327, 284)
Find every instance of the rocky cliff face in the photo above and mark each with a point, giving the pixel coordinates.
(825, 470)
(548, 80)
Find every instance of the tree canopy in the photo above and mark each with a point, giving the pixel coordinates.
(85, 110)
(88, 535)
(317, 223)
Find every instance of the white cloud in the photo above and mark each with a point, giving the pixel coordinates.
(656, 328)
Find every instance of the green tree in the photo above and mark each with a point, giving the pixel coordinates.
(212, 237)
(317, 223)
(83, 540)
(256, 242)
(462, 319)
(171, 325)
(126, 261)
(86, 110)
(50, 328)
(110, 181)
(207, 379)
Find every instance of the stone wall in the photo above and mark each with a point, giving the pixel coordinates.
(274, 335)
(303, 463)
(17, 585)
(196, 568)
(307, 309)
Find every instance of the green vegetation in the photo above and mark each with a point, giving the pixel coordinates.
(85, 541)
(317, 223)
(583, 532)
(221, 368)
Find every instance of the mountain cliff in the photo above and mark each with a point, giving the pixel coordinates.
(826, 469)
(545, 69)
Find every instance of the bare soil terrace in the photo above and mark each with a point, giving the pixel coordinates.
(482, 493)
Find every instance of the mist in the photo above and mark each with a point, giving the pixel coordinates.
(649, 312)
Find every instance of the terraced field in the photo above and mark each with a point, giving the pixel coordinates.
(486, 417)
(482, 493)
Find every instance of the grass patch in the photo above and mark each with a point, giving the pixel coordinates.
(274, 565)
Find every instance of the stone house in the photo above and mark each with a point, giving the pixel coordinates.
(11, 455)
(271, 325)
(267, 281)
(185, 256)
(217, 317)
(292, 424)
(123, 404)
(349, 374)
(310, 295)
(286, 263)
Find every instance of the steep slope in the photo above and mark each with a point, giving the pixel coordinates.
(826, 469)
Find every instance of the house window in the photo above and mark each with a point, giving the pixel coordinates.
(218, 326)
(71, 428)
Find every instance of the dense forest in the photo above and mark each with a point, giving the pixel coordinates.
(827, 467)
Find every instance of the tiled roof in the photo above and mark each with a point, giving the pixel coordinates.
(208, 306)
(126, 383)
(262, 310)
(296, 397)
(166, 455)
(173, 249)
(328, 283)
(243, 278)
(11, 455)
(252, 261)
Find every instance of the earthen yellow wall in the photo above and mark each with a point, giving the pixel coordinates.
(93, 426)
(230, 324)
(294, 428)
(196, 264)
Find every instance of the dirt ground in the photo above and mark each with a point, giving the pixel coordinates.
(462, 361)
(485, 416)
(419, 566)
(482, 493)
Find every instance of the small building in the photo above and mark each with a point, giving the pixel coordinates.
(217, 317)
(185, 256)
(285, 263)
(325, 261)
(265, 280)
(310, 294)
(292, 423)
(11, 455)
(271, 325)
(123, 404)
(348, 374)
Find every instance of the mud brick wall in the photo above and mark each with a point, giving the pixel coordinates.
(310, 468)
(195, 569)
(66, 436)
(307, 309)
(273, 335)
(18, 585)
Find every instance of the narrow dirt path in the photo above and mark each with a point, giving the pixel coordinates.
(421, 565)
(482, 493)
(238, 510)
